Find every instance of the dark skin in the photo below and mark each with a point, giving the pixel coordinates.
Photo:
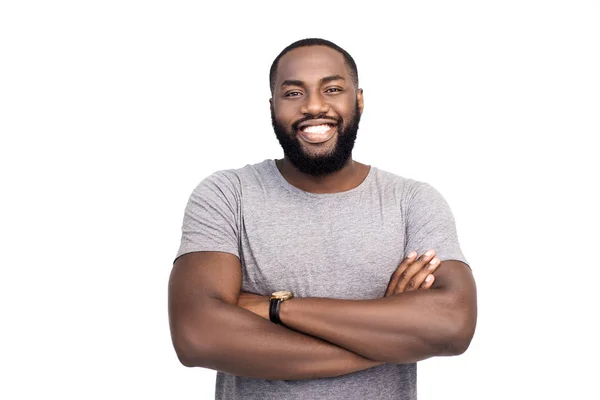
(215, 325)
(315, 81)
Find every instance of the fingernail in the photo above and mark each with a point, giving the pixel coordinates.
(429, 278)
(429, 253)
(434, 260)
(412, 254)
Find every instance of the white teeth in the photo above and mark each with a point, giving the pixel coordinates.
(318, 129)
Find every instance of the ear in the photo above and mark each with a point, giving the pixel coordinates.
(360, 100)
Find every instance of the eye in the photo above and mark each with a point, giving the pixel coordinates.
(292, 94)
(333, 90)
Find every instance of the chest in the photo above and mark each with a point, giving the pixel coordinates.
(344, 249)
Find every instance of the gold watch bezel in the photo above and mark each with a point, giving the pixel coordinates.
(282, 295)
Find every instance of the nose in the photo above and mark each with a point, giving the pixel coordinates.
(314, 104)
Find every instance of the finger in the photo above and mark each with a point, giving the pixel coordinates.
(429, 268)
(406, 277)
(396, 275)
(408, 274)
(428, 282)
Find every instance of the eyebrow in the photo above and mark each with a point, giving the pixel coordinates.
(327, 79)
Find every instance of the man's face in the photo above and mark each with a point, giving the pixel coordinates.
(315, 109)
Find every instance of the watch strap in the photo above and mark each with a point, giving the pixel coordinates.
(274, 311)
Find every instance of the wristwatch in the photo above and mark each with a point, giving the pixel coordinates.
(276, 299)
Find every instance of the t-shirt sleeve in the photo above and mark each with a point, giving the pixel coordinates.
(211, 215)
(430, 224)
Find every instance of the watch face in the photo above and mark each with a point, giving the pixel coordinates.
(282, 294)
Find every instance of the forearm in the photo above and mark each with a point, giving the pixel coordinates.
(233, 340)
(403, 328)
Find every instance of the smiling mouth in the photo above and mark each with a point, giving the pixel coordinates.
(317, 133)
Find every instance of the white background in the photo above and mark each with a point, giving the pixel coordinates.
(111, 112)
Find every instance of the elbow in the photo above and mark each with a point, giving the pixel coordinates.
(460, 333)
(194, 338)
(458, 345)
(189, 349)
(459, 325)
(187, 358)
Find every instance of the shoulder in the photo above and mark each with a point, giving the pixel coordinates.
(406, 188)
(233, 180)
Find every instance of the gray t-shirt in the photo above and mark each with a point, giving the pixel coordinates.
(340, 245)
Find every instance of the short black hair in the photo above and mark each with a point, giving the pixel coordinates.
(315, 42)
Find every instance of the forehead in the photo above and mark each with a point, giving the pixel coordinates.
(310, 64)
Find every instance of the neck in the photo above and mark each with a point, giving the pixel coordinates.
(349, 177)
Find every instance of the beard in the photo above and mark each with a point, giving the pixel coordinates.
(318, 165)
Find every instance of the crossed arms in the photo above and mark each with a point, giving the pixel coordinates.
(215, 326)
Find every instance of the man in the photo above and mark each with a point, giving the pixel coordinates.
(316, 276)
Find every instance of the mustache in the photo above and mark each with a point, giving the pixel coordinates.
(338, 121)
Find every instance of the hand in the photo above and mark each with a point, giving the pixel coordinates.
(255, 303)
(413, 273)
